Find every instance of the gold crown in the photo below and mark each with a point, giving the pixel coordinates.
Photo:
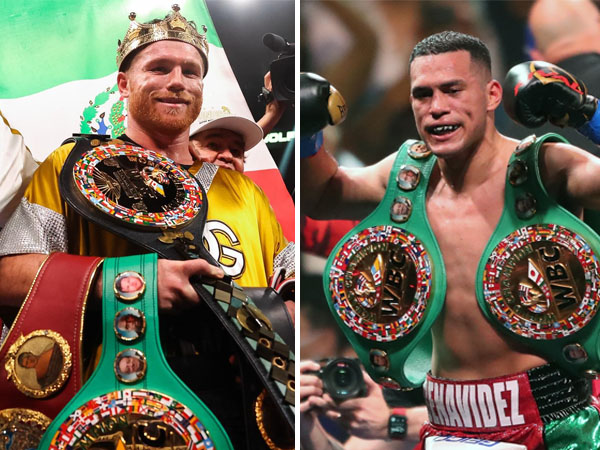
(173, 27)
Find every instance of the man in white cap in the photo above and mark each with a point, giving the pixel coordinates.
(224, 141)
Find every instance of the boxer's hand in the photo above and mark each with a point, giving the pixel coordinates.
(320, 104)
(174, 288)
(537, 91)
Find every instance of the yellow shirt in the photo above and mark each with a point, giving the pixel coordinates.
(241, 232)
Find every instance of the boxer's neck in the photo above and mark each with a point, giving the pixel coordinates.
(172, 145)
(476, 166)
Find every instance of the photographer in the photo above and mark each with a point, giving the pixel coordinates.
(274, 109)
(224, 143)
(366, 418)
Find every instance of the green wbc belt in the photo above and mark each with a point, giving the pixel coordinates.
(538, 280)
(386, 280)
(133, 399)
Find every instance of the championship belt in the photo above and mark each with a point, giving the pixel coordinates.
(148, 199)
(133, 399)
(40, 360)
(386, 277)
(539, 277)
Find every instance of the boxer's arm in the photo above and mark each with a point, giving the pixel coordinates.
(571, 175)
(16, 277)
(175, 291)
(327, 190)
(332, 192)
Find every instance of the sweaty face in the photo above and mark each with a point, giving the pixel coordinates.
(449, 98)
(222, 147)
(164, 86)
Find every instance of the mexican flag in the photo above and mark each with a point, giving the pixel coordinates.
(58, 77)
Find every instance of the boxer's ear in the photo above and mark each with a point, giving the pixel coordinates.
(123, 84)
(494, 94)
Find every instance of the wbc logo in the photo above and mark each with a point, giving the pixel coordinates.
(541, 282)
(380, 281)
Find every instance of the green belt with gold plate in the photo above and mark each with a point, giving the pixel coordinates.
(386, 279)
(538, 280)
(133, 399)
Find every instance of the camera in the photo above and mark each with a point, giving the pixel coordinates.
(342, 378)
(282, 70)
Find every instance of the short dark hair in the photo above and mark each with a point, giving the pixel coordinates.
(452, 41)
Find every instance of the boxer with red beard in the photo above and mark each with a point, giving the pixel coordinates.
(161, 75)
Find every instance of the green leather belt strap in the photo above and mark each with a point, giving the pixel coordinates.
(539, 278)
(127, 401)
(388, 322)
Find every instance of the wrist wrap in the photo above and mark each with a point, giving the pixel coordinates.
(591, 129)
(311, 145)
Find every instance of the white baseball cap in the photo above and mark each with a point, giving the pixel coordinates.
(248, 129)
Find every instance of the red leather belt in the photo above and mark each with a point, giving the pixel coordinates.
(40, 361)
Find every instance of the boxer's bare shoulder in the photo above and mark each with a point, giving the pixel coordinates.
(571, 175)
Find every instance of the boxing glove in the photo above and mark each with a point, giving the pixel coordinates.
(320, 105)
(537, 91)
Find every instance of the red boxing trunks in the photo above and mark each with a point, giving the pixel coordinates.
(525, 411)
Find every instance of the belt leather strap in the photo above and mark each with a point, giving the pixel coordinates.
(45, 337)
(51, 316)
(147, 404)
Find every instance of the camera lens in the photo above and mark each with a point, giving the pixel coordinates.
(343, 379)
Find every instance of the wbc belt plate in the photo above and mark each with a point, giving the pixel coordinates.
(541, 282)
(380, 282)
(137, 186)
(132, 418)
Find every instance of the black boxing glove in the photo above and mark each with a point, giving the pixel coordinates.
(320, 104)
(537, 91)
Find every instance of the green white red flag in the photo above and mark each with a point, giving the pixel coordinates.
(58, 77)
